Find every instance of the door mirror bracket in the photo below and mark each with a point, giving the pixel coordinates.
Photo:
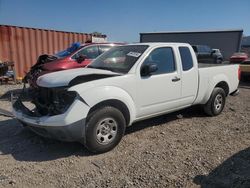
(148, 69)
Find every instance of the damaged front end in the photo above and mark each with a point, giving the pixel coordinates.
(46, 101)
(52, 112)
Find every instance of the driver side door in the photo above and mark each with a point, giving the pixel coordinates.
(160, 91)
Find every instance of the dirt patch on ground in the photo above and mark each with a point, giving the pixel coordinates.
(182, 149)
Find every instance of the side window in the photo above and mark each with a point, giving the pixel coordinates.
(186, 58)
(163, 58)
(206, 49)
(200, 49)
(104, 48)
(209, 50)
(90, 52)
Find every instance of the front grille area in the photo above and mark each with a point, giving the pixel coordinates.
(53, 101)
(45, 101)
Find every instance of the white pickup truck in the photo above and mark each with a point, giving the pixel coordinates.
(94, 105)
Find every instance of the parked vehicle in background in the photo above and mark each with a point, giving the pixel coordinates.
(126, 84)
(243, 59)
(245, 69)
(76, 56)
(238, 57)
(205, 54)
(217, 53)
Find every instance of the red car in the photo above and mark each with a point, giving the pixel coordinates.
(238, 57)
(75, 56)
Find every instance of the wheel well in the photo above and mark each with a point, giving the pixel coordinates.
(116, 104)
(224, 86)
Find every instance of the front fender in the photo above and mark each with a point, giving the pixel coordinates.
(96, 95)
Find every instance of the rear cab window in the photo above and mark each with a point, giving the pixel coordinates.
(186, 58)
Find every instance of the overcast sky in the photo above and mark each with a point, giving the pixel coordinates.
(124, 20)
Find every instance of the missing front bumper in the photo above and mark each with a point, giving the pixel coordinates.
(68, 126)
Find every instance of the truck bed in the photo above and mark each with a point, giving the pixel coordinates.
(205, 65)
(209, 74)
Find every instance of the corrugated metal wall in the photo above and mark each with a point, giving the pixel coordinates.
(23, 45)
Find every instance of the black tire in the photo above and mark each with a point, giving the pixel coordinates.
(101, 134)
(216, 102)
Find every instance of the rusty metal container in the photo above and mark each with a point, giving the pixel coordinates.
(23, 45)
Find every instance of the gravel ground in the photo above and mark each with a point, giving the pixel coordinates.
(182, 149)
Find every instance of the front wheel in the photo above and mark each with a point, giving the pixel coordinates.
(104, 129)
(216, 102)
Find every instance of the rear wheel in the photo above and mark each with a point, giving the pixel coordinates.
(216, 102)
(104, 129)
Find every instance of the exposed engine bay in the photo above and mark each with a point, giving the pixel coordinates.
(46, 101)
(50, 101)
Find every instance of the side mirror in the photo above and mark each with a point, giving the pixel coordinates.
(81, 58)
(148, 69)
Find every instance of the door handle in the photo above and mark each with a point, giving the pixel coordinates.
(176, 79)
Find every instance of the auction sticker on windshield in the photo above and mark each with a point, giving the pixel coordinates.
(134, 54)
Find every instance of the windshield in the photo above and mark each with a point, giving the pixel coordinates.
(119, 59)
(69, 50)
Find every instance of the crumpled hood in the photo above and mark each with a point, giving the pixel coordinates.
(73, 77)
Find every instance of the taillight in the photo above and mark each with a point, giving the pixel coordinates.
(239, 73)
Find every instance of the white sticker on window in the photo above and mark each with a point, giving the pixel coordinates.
(134, 54)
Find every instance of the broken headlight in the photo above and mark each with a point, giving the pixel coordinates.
(62, 101)
(53, 101)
